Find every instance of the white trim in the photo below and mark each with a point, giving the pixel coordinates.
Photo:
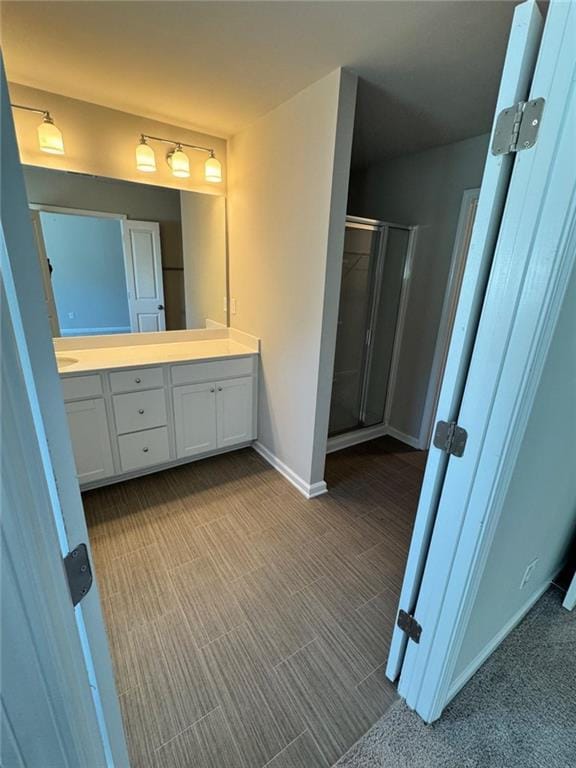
(414, 442)
(399, 332)
(492, 644)
(357, 436)
(466, 217)
(75, 211)
(70, 332)
(308, 490)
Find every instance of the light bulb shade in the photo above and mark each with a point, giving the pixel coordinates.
(213, 170)
(180, 164)
(145, 158)
(50, 138)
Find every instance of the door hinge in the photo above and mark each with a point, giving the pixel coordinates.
(78, 572)
(517, 127)
(451, 438)
(409, 625)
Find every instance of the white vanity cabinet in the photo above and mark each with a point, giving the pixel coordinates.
(90, 439)
(213, 415)
(127, 422)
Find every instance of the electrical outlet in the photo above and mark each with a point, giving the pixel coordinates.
(528, 573)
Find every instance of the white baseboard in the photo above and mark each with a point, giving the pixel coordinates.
(348, 439)
(306, 489)
(414, 442)
(490, 647)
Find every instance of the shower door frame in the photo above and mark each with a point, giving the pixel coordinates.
(367, 432)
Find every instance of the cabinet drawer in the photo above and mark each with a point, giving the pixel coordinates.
(135, 379)
(191, 373)
(139, 410)
(75, 387)
(144, 449)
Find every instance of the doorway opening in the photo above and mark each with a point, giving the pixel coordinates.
(408, 228)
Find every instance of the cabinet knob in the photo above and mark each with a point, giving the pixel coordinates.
(145, 450)
(138, 381)
(212, 389)
(219, 389)
(140, 411)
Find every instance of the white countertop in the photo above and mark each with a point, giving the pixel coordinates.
(91, 359)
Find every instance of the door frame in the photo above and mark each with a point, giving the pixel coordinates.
(466, 217)
(533, 261)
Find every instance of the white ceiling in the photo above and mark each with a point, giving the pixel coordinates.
(429, 70)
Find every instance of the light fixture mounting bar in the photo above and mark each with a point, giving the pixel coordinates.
(43, 112)
(177, 143)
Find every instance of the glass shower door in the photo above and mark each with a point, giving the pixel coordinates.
(384, 324)
(359, 271)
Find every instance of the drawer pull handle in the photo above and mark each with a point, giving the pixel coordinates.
(138, 381)
(140, 411)
(145, 450)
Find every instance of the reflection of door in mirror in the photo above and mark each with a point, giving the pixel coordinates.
(143, 263)
(135, 257)
(105, 273)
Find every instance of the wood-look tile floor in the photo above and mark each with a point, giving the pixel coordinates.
(249, 627)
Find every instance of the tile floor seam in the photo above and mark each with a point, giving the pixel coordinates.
(191, 725)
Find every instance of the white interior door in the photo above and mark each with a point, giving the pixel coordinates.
(143, 262)
(533, 260)
(48, 716)
(517, 74)
(80, 647)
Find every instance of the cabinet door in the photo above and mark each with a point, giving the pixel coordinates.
(195, 419)
(90, 439)
(234, 411)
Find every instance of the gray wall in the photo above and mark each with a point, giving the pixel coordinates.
(137, 201)
(88, 278)
(423, 188)
(539, 515)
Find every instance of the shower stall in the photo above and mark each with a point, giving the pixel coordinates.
(373, 295)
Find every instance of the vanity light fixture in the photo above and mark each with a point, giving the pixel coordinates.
(49, 137)
(176, 158)
(179, 162)
(145, 157)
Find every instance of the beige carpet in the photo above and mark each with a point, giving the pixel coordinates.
(518, 711)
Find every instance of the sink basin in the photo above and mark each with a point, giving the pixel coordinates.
(64, 361)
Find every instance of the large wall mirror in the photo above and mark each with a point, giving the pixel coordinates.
(121, 257)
